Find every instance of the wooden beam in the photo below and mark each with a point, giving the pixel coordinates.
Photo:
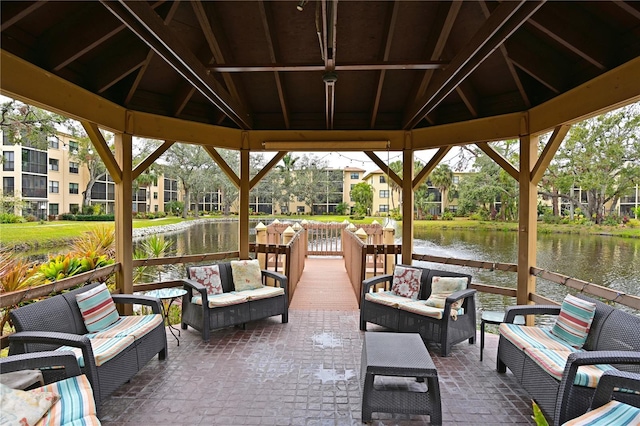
(35, 86)
(428, 168)
(501, 127)
(151, 158)
(11, 18)
(548, 152)
(407, 204)
(384, 167)
(103, 151)
(243, 214)
(258, 177)
(499, 159)
(611, 90)
(123, 218)
(389, 30)
(527, 221)
(223, 165)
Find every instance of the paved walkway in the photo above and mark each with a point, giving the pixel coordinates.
(306, 372)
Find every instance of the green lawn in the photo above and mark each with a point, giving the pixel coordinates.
(36, 234)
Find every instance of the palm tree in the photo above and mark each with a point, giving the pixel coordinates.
(442, 178)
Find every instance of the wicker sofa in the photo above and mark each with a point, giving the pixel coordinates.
(613, 339)
(445, 331)
(109, 358)
(63, 377)
(205, 312)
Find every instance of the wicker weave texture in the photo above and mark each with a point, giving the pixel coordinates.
(400, 355)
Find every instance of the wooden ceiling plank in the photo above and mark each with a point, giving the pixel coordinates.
(268, 25)
(442, 33)
(469, 97)
(214, 46)
(10, 20)
(505, 55)
(389, 30)
(148, 26)
(147, 61)
(129, 62)
(505, 19)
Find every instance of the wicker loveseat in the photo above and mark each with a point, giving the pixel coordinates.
(62, 376)
(549, 370)
(406, 315)
(205, 311)
(110, 357)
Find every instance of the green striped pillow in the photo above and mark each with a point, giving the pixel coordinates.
(574, 321)
(97, 308)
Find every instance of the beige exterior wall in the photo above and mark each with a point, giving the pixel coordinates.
(384, 199)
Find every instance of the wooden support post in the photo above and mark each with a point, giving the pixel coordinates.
(244, 205)
(261, 238)
(389, 239)
(123, 218)
(528, 212)
(407, 206)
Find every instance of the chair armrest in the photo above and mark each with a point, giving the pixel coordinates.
(370, 282)
(194, 285)
(154, 302)
(513, 311)
(578, 359)
(281, 279)
(41, 360)
(610, 380)
(462, 294)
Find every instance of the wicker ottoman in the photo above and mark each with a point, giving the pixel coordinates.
(399, 355)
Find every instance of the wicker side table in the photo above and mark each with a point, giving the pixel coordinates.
(399, 355)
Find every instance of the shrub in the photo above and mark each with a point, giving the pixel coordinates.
(447, 215)
(11, 218)
(31, 218)
(612, 220)
(549, 217)
(633, 223)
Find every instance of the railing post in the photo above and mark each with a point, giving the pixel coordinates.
(388, 233)
(261, 238)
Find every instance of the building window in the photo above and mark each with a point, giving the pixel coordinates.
(383, 179)
(54, 164)
(8, 185)
(73, 167)
(74, 208)
(8, 161)
(73, 147)
(155, 195)
(384, 193)
(74, 188)
(355, 175)
(34, 186)
(54, 143)
(383, 208)
(34, 161)
(54, 186)
(54, 209)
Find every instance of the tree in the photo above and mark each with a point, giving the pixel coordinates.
(308, 182)
(362, 195)
(396, 166)
(601, 156)
(283, 182)
(29, 125)
(442, 178)
(185, 162)
(86, 156)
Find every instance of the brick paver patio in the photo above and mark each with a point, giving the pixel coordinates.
(306, 372)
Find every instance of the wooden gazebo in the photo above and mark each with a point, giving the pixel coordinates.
(324, 75)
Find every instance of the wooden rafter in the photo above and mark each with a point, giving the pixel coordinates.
(390, 29)
(149, 27)
(548, 152)
(266, 169)
(233, 177)
(504, 20)
(8, 22)
(267, 23)
(384, 167)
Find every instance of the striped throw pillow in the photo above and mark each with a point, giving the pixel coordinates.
(97, 308)
(76, 405)
(574, 321)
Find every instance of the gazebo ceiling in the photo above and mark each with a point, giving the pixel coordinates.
(341, 65)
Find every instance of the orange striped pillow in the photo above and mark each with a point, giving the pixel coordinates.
(574, 321)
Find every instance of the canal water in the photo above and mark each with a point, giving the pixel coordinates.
(608, 261)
